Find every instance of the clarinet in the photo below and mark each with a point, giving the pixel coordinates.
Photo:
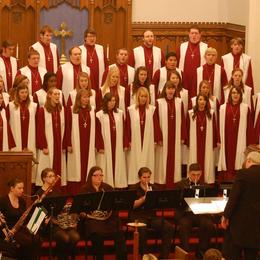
(21, 220)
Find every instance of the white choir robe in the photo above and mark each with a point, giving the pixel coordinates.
(228, 62)
(209, 163)
(73, 159)
(46, 160)
(241, 141)
(130, 72)
(92, 98)
(15, 124)
(105, 160)
(42, 94)
(139, 57)
(161, 152)
(151, 92)
(101, 63)
(6, 98)
(137, 156)
(53, 47)
(3, 70)
(217, 80)
(183, 48)
(5, 131)
(27, 72)
(68, 78)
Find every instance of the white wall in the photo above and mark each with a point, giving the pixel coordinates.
(233, 11)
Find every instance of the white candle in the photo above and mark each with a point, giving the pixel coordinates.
(17, 51)
(108, 51)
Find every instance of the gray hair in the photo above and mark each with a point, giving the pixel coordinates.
(254, 157)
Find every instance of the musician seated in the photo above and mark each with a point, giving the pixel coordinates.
(65, 225)
(187, 220)
(100, 224)
(149, 217)
(12, 206)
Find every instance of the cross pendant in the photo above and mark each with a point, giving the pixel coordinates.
(192, 55)
(149, 61)
(142, 122)
(114, 127)
(9, 74)
(201, 128)
(49, 59)
(85, 124)
(91, 60)
(23, 117)
(171, 116)
(234, 120)
(36, 82)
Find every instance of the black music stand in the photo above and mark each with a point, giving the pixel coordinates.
(162, 199)
(86, 202)
(54, 205)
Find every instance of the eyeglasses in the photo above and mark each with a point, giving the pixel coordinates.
(51, 176)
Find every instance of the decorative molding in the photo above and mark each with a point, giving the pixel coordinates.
(73, 3)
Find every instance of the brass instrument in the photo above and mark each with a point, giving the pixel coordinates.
(21, 220)
(100, 214)
(66, 220)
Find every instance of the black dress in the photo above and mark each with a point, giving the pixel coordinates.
(23, 248)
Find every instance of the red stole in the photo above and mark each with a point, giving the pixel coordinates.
(123, 74)
(24, 119)
(112, 125)
(36, 81)
(76, 70)
(48, 57)
(148, 56)
(8, 68)
(142, 115)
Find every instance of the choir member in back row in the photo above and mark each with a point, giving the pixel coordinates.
(51, 137)
(143, 132)
(237, 59)
(68, 73)
(172, 122)
(126, 72)
(147, 55)
(113, 161)
(49, 58)
(191, 56)
(93, 56)
(21, 113)
(49, 81)
(112, 84)
(202, 137)
(236, 133)
(82, 138)
(213, 73)
(257, 118)
(163, 74)
(33, 71)
(8, 64)
(84, 83)
(6, 136)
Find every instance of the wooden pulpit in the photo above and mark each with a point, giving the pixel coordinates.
(15, 165)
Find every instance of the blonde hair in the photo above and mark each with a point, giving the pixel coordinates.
(49, 107)
(211, 50)
(138, 93)
(106, 86)
(83, 74)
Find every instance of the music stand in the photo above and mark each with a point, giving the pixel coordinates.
(204, 191)
(162, 199)
(86, 202)
(54, 205)
(118, 200)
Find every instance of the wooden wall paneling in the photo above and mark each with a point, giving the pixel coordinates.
(15, 165)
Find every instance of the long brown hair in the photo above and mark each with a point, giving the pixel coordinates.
(231, 81)
(136, 83)
(17, 102)
(89, 185)
(168, 84)
(196, 107)
(206, 82)
(77, 105)
(18, 79)
(108, 97)
(180, 85)
(49, 107)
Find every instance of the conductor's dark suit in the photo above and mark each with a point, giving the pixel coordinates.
(243, 212)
